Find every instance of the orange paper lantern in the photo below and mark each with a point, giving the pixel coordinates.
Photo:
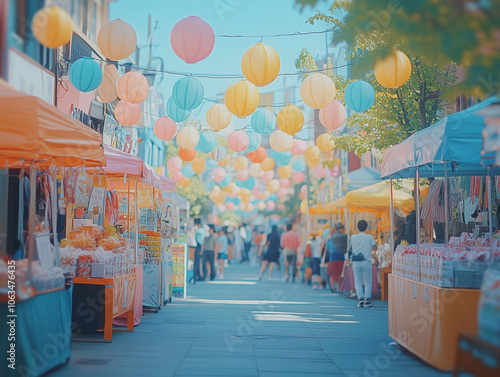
(132, 87)
(128, 114)
(290, 119)
(260, 64)
(394, 70)
(188, 154)
(117, 40)
(267, 164)
(258, 155)
(317, 90)
(52, 26)
(242, 98)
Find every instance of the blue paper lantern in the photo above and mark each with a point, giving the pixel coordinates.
(85, 74)
(255, 141)
(175, 113)
(188, 93)
(263, 121)
(236, 201)
(359, 96)
(227, 180)
(211, 163)
(273, 197)
(281, 158)
(207, 142)
(299, 165)
(188, 171)
(249, 184)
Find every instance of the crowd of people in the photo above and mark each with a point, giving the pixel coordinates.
(319, 259)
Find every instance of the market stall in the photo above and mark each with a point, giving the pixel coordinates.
(36, 141)
(433, 293)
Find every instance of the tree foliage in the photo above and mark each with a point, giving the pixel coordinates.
(397, 113)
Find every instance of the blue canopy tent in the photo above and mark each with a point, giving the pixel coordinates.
(361, 178)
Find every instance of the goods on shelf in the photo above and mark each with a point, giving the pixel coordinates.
(150, 247)
(178, 259)
(461, 263)
(489, 308)
(95, 252)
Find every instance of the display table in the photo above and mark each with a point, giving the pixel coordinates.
(118, 299)
(138, 312)
(476, 356)
(42, 331)
(427, 320)
(348, 281)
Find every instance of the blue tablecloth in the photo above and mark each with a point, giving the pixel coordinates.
(42, 331)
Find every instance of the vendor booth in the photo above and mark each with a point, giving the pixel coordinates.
(36, 142)
(441, 278)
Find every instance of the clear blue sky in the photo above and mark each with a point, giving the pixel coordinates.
(233, 17)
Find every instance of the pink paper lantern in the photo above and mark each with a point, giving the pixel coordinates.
(302, 195)
(219, 174)
(320, 171)
(230, 206)
(192, 39)
(174, 164)
(256, 192)
(298, 177)
(332, 116)
(303, 189)
(243, 175)
(270, 206)
(267, 176)
(178, 176)
(285, 183)
(165, 128)
(238, 141)
(128, 114)
(299, 146)
(282, 193)
(281, 207)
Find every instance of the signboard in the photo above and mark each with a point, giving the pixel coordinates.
(43, 245)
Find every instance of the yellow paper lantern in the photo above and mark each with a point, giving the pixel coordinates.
(198, 165)
(284, 171)
(256, 171)
(218, 117)
(107, 90)
(273, 186)
(280, 141)
(304, 208)
(394, 70)
(267, 164)
(242, 98)
(225, 161)
(52, 26)
(290, 119)
(260, 64)
(188, 137)
(117, 40)
(325, 143)
(132, 87)
(240, 163)
(185, 182)
(231, 188)
(261, 206)
(317, 90)
(313, 156)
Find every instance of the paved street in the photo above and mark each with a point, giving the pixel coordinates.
(243, 327)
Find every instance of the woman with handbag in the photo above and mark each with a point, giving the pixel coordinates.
(272, 251)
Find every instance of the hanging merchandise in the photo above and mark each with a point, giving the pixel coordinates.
(359, 96)
(165, 128)
(263, 121)
(207, 142)
(280, 141)
(242, 98)
(52, 26)
(258, 155)
(192, 39)
(85, 74)
(188, 154)
(188, 137)
(128, 114)
(317, 90)
(325, 143)
(255, 141)
(218, 117)
(290, 119)
(238, 140)
(117, 40)
(107, 90)
(132, 87)
(188, 93)
(394, 70)
(260, 64)
(333, 116)
(175, 113)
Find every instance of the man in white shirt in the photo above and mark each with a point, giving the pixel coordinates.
(362, 245)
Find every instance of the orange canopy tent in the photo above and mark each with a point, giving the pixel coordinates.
(33, 130)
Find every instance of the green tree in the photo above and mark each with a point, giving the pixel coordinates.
(396, 113)
(438, 31)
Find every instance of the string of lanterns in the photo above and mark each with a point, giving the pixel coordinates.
(254, 182)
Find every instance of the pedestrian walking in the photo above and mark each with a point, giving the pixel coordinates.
(290, 243)
(316, 261)
(337, 250)
(362, 245)
(272, 252)
(222, 248)
(200, 238)
(238, 245)
(246, 233)
(208, 251)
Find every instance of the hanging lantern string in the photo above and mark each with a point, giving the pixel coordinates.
(215, 75)
(297, 33)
